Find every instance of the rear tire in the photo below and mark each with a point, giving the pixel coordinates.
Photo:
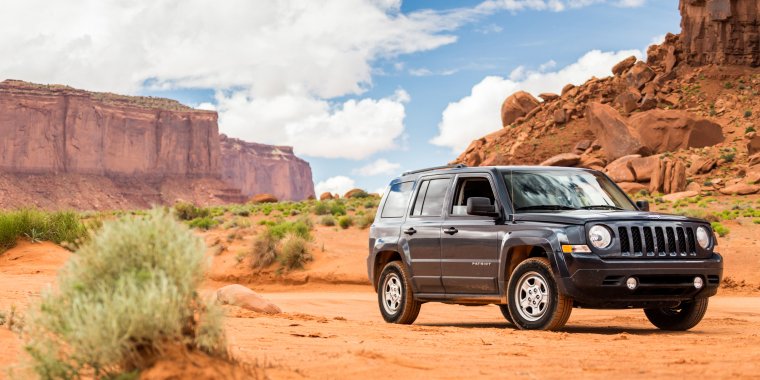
(395, 296)
(505, 312)
(682, 318)
(534, 299)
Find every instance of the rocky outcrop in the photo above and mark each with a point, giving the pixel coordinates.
(671, 130)
(721, 31)
(263, 198)
(517, 105)
(58, 129)
(258, 168)
(611, 129)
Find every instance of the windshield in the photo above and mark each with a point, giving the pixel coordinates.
(538, 190)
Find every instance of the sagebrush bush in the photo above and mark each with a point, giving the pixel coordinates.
(58, 227)
(263, 250)
(127, 293)
(282, 228)
(305, 219)
(692, 213)
(346, 221)
(327, 220)
(203, 223)
(188, 211)
(365, 220)
(295, 252)
(360, 194)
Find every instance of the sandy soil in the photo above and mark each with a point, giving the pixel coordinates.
(332, 328)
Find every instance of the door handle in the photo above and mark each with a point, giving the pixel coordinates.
(410, 231)
(451, 231)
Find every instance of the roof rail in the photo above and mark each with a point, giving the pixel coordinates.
(455, 166)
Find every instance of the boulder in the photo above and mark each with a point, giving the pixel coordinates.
(311, 197)
(571, 93)
(548, 97)
(560, 116)
(624, 65)
(263, 198)
(351, 193)
(667, 179)
(325, 196)
(241, 296)
(564, 159)
(566, 89)
(517, 105)
(753, 146)
(631, 188)
(678, 196)
(740, 189)
(630, 106)
(753, 159)
(591, 162)
(643, 167)
(693, 187)
(376, 195)
(678, 179)
(583, 145)
(658, 175)
(620, 169)
(671, 130)
(662, 79)
(639, 75)
(613, 133)
(633, 95)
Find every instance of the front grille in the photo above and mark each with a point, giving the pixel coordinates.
(659, 241)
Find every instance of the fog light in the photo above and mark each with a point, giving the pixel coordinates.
(698, 282)
(631, 283)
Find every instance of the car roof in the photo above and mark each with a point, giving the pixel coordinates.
(481, 169)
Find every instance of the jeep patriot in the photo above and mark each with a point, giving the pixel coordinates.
(536, 241)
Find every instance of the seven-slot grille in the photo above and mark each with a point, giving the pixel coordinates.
(657, 241)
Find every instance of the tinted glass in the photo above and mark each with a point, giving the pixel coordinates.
(434, 199)
(468, 188)
(420, 197)
(397, 200)
(536, 190)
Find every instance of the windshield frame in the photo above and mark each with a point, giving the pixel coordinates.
(625, 201)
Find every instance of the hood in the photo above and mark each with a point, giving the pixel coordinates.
(581, 217)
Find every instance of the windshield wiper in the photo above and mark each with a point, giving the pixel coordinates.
(546, 207)
(602, 206)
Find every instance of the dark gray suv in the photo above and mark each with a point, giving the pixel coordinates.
(537, 241)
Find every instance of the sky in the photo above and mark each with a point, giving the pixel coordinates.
(362, 89)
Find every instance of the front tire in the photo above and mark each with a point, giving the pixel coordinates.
(682, 318)
(533, 297)
(505, 312)
(395, 297)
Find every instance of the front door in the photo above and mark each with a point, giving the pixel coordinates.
(422, 231)
(470, 244)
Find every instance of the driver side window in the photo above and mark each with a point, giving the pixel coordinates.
(468, 188)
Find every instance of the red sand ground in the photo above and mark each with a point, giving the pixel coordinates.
(332, 328)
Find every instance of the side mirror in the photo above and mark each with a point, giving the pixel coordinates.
(643, 205)
(481, 207)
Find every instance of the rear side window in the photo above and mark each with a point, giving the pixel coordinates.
(431, 197)
(397, 200)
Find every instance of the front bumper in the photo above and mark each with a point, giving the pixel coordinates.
(596, 283)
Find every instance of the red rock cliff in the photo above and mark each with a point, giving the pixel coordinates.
(258, 168)
(47, 129)
(721, 31)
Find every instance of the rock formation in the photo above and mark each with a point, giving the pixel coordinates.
(721, 31)
(517, 105)
(258, 168)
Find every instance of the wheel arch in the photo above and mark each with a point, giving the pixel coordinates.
(518, 246)
(382, 258)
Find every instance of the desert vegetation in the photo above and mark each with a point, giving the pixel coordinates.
(128, 296)
(64, 227)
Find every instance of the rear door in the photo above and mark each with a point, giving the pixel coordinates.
(470, 244)
(422, 231)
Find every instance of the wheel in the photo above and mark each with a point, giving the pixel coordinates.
(505, 312)
(533, 297)
(681, 318)
(397, 303)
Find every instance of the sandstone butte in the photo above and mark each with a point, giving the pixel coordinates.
(63, 147)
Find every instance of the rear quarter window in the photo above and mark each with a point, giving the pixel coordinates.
(398, 198)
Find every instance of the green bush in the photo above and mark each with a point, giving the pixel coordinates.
(370, 204)
(62, 227)
(338, 209)
(721, 230)
(320, 208)
(345, 222)
(188, 211)
(748, 113)
(294, 253)
(283, 228)
(691, 213)
(365, 220)
(728, 85)
(203, 223)
(128, 293)
(263, 250)
(327, 220)
(307, 220)
(360, 194)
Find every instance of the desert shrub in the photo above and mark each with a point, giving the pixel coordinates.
(748, 113)
(728, 156)
(728, 85)
(749, 129)
(58, 227)
(241, 211)
(203, 223)
(692, 213)
(305, 219)
(720, 229)
(236, 222)
(360, 194)
(327, 220)
(12, 320)
(338, 209)
(713, 217)
(345, 222)
(263, 250)
(365, 220)
(188, 211)
(294, 253)
(370, 204)
(299, 228)
(320, 208)
(128, 293)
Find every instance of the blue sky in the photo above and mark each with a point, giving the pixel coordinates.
(358, 84)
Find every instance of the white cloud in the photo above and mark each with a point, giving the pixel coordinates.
(380, 191)
(314, 127)
(381, 166)
(338, 184)
(548, 65)
(206, 106)
(630, 3)
(478, 114)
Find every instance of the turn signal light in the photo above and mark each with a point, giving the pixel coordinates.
(576, 249)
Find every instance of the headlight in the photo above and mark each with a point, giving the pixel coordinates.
(600, 237)
(703, 237)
